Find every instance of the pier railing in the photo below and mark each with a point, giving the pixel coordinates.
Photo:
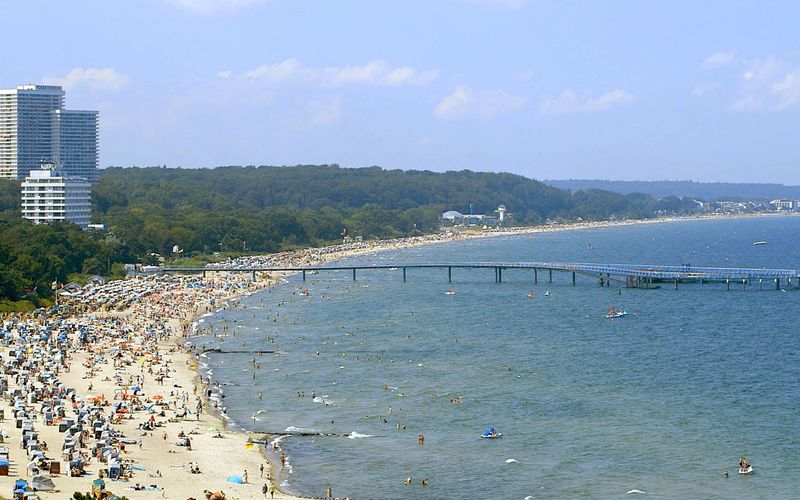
(632, 275)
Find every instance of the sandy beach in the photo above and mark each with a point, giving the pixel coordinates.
(132, 371)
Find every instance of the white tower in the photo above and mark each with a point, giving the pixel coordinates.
(501, 210)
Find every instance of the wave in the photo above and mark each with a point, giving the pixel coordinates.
(292, 428)
(358, 435)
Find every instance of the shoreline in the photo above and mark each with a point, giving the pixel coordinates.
(141, 327)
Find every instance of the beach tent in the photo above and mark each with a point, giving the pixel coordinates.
(42, 483)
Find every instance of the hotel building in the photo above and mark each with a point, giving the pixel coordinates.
(50, 196)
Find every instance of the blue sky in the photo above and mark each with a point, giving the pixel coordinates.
(632, 90)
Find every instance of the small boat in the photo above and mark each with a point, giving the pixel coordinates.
(613, 313)
(393, 269)
(547, 293)
(491, 433)
(531, 295)
(758, 243)
(450, 292)
(746, 469)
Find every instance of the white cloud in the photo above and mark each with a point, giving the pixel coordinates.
(719, 60)
(769, 83)
(225, 73)
(91, 78)
(378, 73)
(787, 90)
(214, 6)
(570, 102)
(465, 101)
(763, 70)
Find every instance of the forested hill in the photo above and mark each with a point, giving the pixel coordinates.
(315, 187)
(273, 208)
(699, 190)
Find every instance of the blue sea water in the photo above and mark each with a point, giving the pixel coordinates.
(659, 401)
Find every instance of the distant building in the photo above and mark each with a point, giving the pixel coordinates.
(453, 217)
(783, 204)
(35, 128)
(49, 196)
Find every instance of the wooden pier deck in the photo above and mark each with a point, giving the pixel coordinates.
(629, 275)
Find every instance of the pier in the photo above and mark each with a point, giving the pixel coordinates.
(627, 275)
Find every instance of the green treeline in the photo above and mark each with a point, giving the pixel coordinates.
(268, 209)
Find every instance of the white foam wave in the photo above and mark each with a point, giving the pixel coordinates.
(358, 435)
(292, 428)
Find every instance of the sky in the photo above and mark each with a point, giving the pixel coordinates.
(629, 90)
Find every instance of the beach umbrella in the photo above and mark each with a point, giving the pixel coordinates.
(235, 479)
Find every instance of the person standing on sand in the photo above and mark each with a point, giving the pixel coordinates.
(328, 493)
(271, 490)
(265, 489)
(261, 470)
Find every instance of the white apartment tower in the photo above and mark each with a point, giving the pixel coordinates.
(35, 129)
(50, 196)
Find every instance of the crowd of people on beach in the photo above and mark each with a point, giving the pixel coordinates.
(88, 382)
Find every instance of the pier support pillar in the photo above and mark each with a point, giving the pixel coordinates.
(760, 281)
(204, 274)
(535, 276)
(304, 274)
(404, 275)
(254, 275)
(727, 284)
(354, 274)
(777, 283)
(573, 278)
(676, 283)
(499, 274)
(551, 275)
(449, 274)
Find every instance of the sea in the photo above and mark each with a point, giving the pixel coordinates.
(655, 404)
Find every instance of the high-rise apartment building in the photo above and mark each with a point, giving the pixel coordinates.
(50, 196)
(78, 139)
(36, 129)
